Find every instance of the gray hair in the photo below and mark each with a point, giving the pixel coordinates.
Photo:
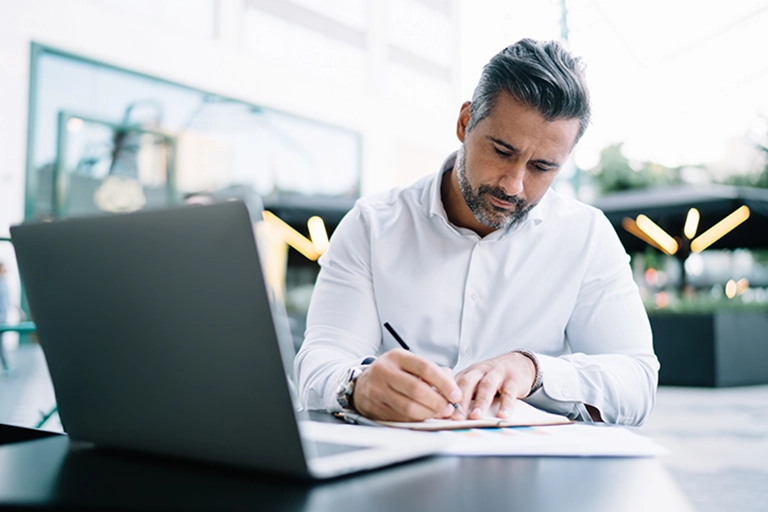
(541, 75)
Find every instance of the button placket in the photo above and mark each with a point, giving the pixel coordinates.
(469, 309)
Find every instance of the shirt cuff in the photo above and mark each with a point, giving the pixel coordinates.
(329, 397)
(560, 392)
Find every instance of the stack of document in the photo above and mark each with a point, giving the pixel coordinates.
(528, 432)
(577, 440)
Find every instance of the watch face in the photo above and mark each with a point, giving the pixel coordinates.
(346, 389)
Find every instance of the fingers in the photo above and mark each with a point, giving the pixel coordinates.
(395, 387)
(418, 391)
(467, 382)
(405, 408)
(452, 412)
(485, 392)
(505, 376)
(402, 386)
(430, 373)
(507, 400)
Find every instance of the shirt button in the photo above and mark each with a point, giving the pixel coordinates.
(564, 392)
(468, 351)
(474, 296)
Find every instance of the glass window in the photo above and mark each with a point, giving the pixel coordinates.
(99, 131)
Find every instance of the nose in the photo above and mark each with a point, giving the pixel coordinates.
(512, 180)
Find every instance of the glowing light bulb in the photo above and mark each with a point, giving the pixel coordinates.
(661, 237)
(691, 223)
(742, 285)
(318, 234)
(720, 229)
(291, 236)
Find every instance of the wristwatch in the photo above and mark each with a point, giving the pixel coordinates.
(346, 388)
(538, 380)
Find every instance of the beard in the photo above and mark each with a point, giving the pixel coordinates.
(487, 213)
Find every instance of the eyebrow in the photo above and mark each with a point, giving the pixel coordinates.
(515, 150)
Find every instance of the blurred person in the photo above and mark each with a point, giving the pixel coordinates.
(502, 288)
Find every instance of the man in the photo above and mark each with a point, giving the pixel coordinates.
(502, 288)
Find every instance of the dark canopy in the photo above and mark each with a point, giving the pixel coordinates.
(668, 207)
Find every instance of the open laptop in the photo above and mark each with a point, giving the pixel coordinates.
(160, 336)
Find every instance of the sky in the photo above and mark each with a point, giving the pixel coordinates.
(674, 80)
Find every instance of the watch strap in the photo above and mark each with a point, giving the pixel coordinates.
(538, 380)
(346, 388)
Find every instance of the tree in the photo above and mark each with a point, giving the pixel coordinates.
(614, 172)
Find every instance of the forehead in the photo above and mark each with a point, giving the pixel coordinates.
(524, 127)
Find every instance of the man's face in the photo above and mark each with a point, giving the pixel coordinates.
(509, 160)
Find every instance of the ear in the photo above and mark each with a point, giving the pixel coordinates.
(461, 124)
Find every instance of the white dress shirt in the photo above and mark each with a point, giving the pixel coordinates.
(558, 284)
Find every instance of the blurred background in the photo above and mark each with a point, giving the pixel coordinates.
(299, 107)
(303, 105)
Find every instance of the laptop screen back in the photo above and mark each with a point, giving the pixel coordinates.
(158, 334)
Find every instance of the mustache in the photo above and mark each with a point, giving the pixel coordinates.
(498, 193)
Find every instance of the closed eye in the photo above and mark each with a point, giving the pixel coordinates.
(538, 166)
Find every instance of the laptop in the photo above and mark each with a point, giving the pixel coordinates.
(160, 336)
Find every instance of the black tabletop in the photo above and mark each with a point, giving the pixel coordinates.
(54, 472)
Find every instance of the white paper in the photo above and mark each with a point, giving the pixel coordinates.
(355, 435)
(523, 414)
(574, 440)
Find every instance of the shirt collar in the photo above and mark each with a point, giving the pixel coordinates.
(537, 215)
(436, 197)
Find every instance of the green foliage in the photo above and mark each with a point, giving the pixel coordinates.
(701, 302)
(614, 172)
(759, 180)
(760, 256)
(705, 306)
(653, 258)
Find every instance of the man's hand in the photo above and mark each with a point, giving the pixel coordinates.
(401, 386)
(510, 376)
